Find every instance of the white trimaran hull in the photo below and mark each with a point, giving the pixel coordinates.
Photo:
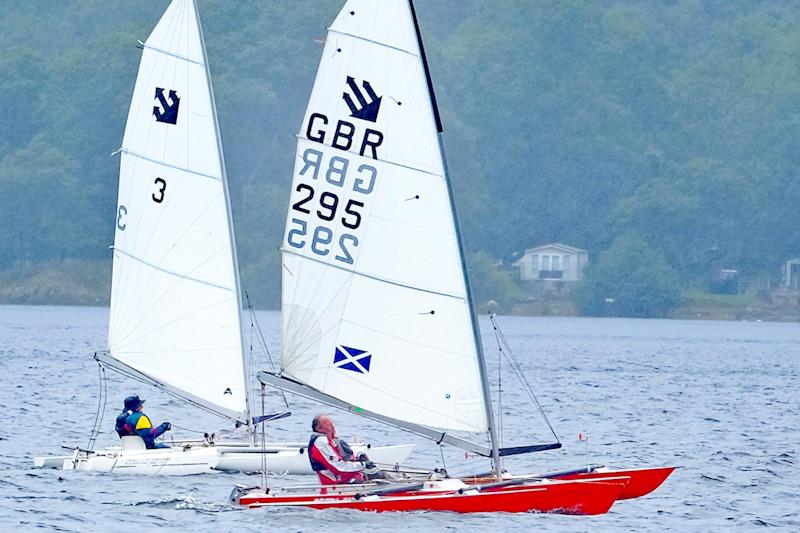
(195, 457)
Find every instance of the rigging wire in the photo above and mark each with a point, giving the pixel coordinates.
(256, 327)
(189, 430)
(516, 368)
(250, 378)
(102, 400)
(500, 391)
(263, 440)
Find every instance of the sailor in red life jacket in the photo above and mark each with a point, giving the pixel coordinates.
(333, 465)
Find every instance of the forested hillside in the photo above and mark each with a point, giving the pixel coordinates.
(674, 123)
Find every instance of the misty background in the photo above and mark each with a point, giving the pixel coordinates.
(661, 136)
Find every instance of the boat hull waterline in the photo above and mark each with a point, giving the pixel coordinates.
(578, 497)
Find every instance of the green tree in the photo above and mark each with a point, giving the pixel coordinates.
(565, 120)
(21, 72)
(44, 211)
(494, 289)
(704, 215)
(630, 279)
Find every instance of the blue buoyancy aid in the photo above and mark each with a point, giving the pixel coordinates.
(122, 426)
(144, 428)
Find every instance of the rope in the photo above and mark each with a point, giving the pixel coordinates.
(264, 440)
(499, 389)
(262, 341)
(102, 399)
(516, 368)
(189, 430)
(250, 376)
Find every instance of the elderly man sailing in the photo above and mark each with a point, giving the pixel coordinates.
(332, 458)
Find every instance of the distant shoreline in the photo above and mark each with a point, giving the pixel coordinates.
(88, 283)
(684, 313)
(774, 306)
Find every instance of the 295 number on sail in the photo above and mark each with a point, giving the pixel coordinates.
(321, 239)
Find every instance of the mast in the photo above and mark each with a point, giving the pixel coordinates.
(487, 402)
(234, 255)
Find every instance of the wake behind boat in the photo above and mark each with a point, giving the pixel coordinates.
(377, 309)
(175, 318)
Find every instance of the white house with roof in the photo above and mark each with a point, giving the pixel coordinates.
(555, 261)
(791, 274)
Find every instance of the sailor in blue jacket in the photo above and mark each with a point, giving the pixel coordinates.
(135, 422)
(123, 429)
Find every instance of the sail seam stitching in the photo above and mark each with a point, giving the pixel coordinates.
(176, 167)
(164, 270)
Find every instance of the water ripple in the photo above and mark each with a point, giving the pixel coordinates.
(716, 399)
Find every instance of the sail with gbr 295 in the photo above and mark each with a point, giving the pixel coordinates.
(374, 298)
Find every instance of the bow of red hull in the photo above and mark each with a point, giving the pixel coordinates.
(642, 480)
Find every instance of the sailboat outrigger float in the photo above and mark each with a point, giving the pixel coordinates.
(175, 318)
(377, 311)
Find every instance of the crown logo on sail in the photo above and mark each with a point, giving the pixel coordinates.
(352, 359)
(364, 110)
(166, 111)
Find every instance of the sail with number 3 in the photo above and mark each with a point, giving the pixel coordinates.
(175, 304)
(376, 308)
(175, 320)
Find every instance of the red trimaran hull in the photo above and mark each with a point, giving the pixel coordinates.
(583, 497)
(581, 493)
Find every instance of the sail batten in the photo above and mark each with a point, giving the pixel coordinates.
(176, 274)
(172, 54)
(175, 316)
(379, 43)
(168, 165)
(382, 280)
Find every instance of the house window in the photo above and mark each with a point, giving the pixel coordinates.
(545, 262)
(565, 264)
(556, 262)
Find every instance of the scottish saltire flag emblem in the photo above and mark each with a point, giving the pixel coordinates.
(352, 359)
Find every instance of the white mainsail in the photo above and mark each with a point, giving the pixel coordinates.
(175, 303)
(375, 305)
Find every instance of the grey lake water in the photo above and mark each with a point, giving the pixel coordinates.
(717, 399)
